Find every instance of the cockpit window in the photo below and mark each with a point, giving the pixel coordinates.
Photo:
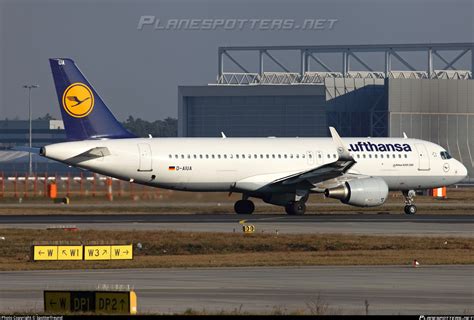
(445, 155)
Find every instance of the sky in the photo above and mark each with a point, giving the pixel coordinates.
(137, 71)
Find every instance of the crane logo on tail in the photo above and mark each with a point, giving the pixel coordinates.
(78, 100)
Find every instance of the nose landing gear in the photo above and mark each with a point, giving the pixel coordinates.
(410, 207)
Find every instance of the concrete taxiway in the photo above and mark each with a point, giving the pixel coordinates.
(344, 289)
(372, 224)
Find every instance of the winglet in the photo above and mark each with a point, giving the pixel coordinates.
(342, 151)
(405, 136)
(223, 135)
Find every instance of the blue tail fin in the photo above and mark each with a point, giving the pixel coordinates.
(84, 113)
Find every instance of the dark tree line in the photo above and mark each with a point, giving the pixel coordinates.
(142, 128)
(158, 128)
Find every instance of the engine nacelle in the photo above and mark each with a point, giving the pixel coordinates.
(366, 192)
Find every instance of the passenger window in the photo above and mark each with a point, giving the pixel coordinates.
(406, 156)
(237, 156)
(381, 156)
(363, 156)
(291, 156)
(200, 156)
(370, 156)
(319, 155)
(176, 156)
(303, 156)
(171, 156)
(255, 156)
(285, 155)
(399, 155)
(182, 156)
(225, 156)
(279, 156)
(375, 156)
(261, 156)
(212, 156)
(393, 156)
(310, 155)
(231, 156)
(329, 156)
(194, 156)
(268, 156)
(358, 155)
(273, 156)
(297, 156)
(334, 156)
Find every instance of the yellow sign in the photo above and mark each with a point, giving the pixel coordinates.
(122, 252)
(80, 252)
(78, 100)
(112, 302)
(57, 301)
(41, 253)
(69, 252)
(250, 228)
(96, 252)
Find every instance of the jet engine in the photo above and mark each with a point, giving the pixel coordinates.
(365, 192)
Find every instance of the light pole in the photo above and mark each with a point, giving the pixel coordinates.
(29, 87)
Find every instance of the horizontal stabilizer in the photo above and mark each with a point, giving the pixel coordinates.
(93, 153)
(26, 149)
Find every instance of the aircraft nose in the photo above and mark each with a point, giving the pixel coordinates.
(462, 170)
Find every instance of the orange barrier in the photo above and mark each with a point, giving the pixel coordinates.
(439, 192)
(52, 190)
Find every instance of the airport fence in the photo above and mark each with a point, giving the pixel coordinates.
(82, 185)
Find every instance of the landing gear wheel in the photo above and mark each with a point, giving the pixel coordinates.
(410, 209)
(296, 208)
(244, 207)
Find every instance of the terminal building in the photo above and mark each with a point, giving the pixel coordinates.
(14, 133)
(434, 102)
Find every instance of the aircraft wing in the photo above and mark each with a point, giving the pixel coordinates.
(303, 179)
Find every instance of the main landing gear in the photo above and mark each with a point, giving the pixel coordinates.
(296, 208)
(244, 206)
(410, 208)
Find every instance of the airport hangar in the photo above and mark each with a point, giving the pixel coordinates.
(435, 102)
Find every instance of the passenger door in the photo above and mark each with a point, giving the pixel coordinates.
(145, 162)
(423, 157)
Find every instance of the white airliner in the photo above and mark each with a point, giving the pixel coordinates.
(280, 171)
